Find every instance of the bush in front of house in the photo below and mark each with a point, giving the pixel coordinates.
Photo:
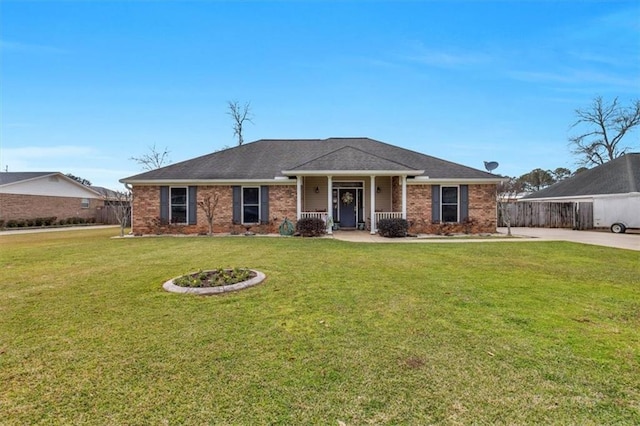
(27, 223)
(393, 228)
(16, 223)
(311, 227)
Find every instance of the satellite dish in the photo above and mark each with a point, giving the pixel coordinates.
(490, 165)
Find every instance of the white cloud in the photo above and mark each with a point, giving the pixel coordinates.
(578, 77)
(450, 58)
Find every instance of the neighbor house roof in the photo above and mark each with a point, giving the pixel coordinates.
(269, 159)
(13, 177)
(11, 182)
(618, 176)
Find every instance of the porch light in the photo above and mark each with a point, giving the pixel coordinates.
(317, 189)
(378, 190)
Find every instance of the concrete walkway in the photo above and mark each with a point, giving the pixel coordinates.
(629, 241)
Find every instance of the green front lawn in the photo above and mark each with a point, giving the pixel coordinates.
(484, 333)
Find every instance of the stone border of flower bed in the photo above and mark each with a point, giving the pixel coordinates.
(170, 286)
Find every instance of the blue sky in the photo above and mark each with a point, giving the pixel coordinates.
(85, 85)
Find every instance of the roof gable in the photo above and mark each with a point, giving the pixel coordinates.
(618, 176)
(352, 159)
(44, 183)
(7, 178)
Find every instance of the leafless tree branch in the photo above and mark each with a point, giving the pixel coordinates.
(120, 204)
(208, 205)
(154, 159)
(239, 114)
(606, 125)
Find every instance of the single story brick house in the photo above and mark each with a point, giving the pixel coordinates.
(29, 195)
(351, 183)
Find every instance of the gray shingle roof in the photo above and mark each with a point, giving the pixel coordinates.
(13, 177)
(618, 176)
(268, 158)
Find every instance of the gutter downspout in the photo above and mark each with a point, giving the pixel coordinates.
(130, 189)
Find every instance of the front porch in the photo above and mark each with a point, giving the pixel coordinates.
(351, 202)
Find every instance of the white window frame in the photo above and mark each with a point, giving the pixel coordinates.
(85, 203)
(186, 205)
(242, 205)
(442, 203)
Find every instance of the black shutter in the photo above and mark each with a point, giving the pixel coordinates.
(264, 204)
(435, 203)
(164, 204)
(193, 205)
(464, 203)
(237, 204)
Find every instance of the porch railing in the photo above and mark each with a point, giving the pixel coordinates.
(378, 216)
(319, 215)
(385, 215)
(388, 215)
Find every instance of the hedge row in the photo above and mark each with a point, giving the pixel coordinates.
(44, 221)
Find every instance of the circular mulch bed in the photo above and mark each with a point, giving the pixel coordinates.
(255, 280)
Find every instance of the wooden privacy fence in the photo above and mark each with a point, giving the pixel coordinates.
(108, 215)
(548, 214)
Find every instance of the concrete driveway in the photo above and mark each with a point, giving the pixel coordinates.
(629, 240)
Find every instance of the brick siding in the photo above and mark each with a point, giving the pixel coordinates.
(282, 203)
(146, 211)
(482, 211)
(19, 206)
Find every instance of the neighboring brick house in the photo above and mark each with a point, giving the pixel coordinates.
(350, 182)
(30, 195)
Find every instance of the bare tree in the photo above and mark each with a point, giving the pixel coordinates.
(208, 206)
(154, 159)
(508, 191)
(120, 203)
(606, 125)
(239, 114)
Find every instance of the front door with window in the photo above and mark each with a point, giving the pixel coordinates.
(348, 207)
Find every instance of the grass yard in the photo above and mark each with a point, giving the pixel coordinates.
(482, 333)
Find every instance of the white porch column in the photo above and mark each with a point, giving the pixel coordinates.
(372, 191)
(404, 197)
(330, 205)
(298, 197)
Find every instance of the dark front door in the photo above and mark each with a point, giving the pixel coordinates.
(347, 199)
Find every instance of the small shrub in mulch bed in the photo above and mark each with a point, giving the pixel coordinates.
(393, 228)
(214, 278)
(311, 227)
